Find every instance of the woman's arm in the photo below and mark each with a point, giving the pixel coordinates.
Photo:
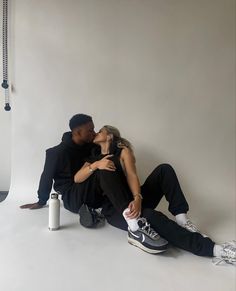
(128, 160)
(88, 169)
(84, 173)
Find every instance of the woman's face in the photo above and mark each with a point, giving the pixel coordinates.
(101, 136)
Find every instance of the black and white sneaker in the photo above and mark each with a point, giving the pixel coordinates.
(90, 217)
(146, 238)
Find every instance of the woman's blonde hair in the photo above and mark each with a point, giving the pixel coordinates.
(117, 140)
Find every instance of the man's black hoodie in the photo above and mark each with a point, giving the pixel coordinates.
(61, 164)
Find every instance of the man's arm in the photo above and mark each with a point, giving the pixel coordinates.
(46, 181)
(31, 206)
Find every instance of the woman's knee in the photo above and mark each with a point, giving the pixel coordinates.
(164, 168)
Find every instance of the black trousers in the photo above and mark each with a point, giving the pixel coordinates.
(110, 191)
(103, 188)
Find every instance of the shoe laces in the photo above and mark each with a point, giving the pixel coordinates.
(190, 226)
(228, 254)
(146, 228)
(97, 212)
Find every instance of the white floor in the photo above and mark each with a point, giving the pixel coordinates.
(74, 258)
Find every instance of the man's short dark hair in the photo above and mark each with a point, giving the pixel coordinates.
(78, 120)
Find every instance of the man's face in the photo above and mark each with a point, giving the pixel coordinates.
(86, 132)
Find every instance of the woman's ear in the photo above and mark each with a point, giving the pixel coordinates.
(109, 137)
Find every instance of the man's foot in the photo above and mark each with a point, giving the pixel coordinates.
(146, 238)
(90, 217)
(192, 227)
(227, 255)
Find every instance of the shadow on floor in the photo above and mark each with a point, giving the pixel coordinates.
(3, 195)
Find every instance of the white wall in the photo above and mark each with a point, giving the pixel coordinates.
(162, 71)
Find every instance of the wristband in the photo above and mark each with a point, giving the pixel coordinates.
(138, 195)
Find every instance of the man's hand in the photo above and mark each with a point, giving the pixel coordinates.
(106, 164)
(31, 206)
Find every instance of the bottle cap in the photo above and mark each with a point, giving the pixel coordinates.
(54, 195)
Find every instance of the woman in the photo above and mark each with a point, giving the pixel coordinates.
(128, 200)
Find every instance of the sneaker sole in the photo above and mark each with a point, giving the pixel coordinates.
(86, 219)
(142, 247)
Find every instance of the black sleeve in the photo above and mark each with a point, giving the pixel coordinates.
(95, 154)
(46, 179)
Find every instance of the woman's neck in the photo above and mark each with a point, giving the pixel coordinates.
(105, 148)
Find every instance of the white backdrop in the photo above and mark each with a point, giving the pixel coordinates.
(162, 71)
(5, 132)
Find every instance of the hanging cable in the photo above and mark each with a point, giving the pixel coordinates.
(5, 84)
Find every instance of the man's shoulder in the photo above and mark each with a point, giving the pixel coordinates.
(55, 150)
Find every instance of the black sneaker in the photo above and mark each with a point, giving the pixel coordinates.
(147, 238)
(90, 217)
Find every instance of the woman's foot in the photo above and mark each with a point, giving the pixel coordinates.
(183, 220)
(146, 238)
(225, 253)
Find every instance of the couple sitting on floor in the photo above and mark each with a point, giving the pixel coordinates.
(93, 171)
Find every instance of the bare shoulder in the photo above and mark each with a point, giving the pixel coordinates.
(127, 153)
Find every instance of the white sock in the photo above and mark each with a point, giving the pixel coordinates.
(132, 222)
(217, 250)
(181, 218)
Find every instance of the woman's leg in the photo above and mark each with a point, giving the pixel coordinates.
(88, 192)
(117, 199)
(115, 188)
(113, 217)
(164, 182)
(179, 236)
(182, 238)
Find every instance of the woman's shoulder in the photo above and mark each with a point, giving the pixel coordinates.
(125, 149)
(126, 152)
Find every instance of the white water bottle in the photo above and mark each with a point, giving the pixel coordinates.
(54, 212)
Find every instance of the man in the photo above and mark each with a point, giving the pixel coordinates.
(64, 160)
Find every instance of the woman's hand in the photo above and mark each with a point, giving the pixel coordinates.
(88, 169)
(105, 164)
(134, 208)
